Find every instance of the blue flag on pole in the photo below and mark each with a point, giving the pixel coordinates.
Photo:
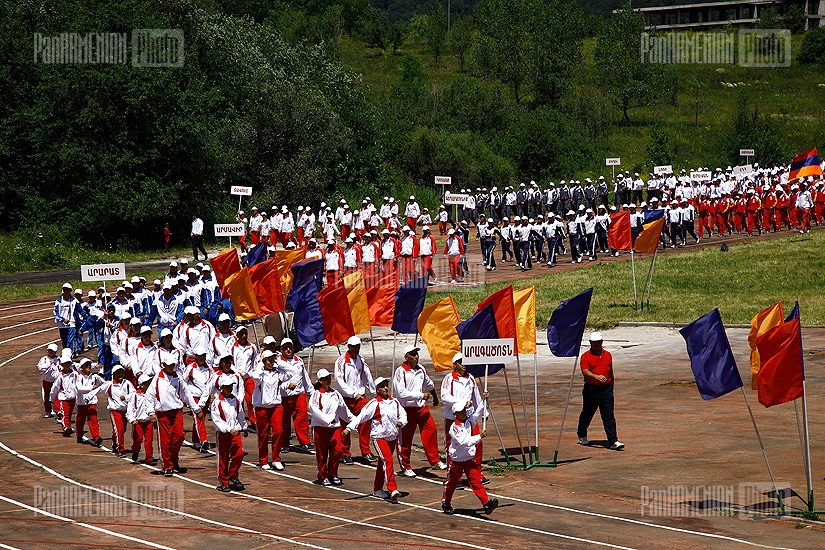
(711, 358)
(256, 255)
(303, 301)
(409, 302)
(482, 325)
(566, 327)
(652, 215)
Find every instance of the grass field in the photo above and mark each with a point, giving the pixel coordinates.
(740, 282)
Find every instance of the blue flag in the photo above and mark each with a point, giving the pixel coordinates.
(481, 325)
(256, 255)
(409, 302)
(566, 327)
(303, 301)
(304, 273)
(711, 358)
(653, 215)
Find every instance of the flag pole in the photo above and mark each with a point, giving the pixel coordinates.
(500, 440)
(650, 277)
(764, 454)
(633, 271)
(564, 414)
(524, 410)
(486, 401)
(536, 399)
(311, 349)
(374, 361)
(515, 422)
(807, 446)
(394, 339)
(799, 431)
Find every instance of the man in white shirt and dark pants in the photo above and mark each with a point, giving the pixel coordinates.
(197, 237)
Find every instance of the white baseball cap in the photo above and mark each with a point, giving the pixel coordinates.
(145, 328)
(354, 341)
(410, 348)
(200, 350)
(268, 353)
(287, 341)
(143, 379)
(596, 337)
(52, 347)
(117, 368)
(322, 373)
(382, 380)
(458, 357)
(224, 317)
(269, 340)
(226, 380)
(459, 406)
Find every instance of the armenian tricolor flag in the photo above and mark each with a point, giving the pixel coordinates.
(805, 164)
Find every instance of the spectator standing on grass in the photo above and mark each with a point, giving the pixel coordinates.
(597, 394)
(197, 237)
(167, 237)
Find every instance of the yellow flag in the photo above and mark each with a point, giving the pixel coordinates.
(765, 320)
(436, 324)
(648, 240)
(286, 259)
(357, 298)
(239, 287)
(524, 301)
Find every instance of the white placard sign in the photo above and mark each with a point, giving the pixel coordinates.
(102, 272)
(238, 190)
(456, 198)
(443, 180)
(229, 230)
(659, 170)
(488, 351)
(700, 176)
(746, 152)
(743, 170)
(613, 162)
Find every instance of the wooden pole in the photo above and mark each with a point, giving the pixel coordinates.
(564, 414)
(513, 412)
(764, 454)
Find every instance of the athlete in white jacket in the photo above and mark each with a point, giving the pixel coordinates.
(328, 411)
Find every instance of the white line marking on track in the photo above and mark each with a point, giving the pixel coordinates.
(151, 506)
(6, 546)
(19, 355)
(24, 313)
(26, 305)
(28, 334)
(86, 525)
(27, 323)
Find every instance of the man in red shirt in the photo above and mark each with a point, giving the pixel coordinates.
(597, 368)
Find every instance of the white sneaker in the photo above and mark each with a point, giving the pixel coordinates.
(279, 466)
(408, 473)
(452, 281)
(441, 466)
(617, 445)
(394, 495)
(380, 494)
(265, 467)
(583, 441)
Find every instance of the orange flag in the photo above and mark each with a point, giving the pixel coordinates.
(381, 299)
(618, 234)
(436, 324)
(285, 260)
(242, 295)
(224, 265)
(764, 321)
(335, 314)
(267, 286)
(782, 374)
(504, 311)
(648, 240)
(357, 299)
(524, 301)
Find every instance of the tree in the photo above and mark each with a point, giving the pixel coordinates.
(813, 46)
(768, 19)
(631, 82)
(396, 36)
(461, 39)
(660, 146)
(436, 29)
(556, 48)
(795, 19)
(378, 28)
(503, 47)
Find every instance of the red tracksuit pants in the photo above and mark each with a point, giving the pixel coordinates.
(67, 408)
(363, 429)
(421, 418)
(49, 406)
(427, 266)
(295, 410)
(87, 413)
(455, 268)
(269, 422)
(328, 451)
(118, 430)
(228, 456)
(248, 390)
(408, 268)
(170, 435)
(454, 474)
(142, 433)
(199, 434)
(384, 468)
(447, 439)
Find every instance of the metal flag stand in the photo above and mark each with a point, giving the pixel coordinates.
(764, 454)
(650, 279)
(484, 420)
(555, 462)
(633, 272)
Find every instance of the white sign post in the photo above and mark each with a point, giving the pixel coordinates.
(241, 192)
(103, 272)
(747, 153)
(488, 351)
(613, 163)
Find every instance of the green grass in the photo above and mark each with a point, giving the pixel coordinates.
(740, 282)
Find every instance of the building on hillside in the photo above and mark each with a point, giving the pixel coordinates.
(732, 14)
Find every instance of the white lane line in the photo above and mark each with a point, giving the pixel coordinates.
(19, 355)
(86, 525)
(7, 547)
(26, 305)
(146, 505)
(28, 323)
(24, 313)
(462, 516)
(28, 334)
(616, 518)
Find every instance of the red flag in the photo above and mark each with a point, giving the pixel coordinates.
(224, 265)
(267, 284)
(505, 311)
(381, 299)
(335, 314)
(618, 234)
(780, 352)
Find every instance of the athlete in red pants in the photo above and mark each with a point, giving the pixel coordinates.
(328, 411)
(169, 393)
(269, 421)
(49, 367)
(413, 388)
(462, 452)
(118, 391)
(140, 414)
(384, 415)
(87, 385)
(64, 391)
(294, 396)
(354, 380)
(228, 417)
